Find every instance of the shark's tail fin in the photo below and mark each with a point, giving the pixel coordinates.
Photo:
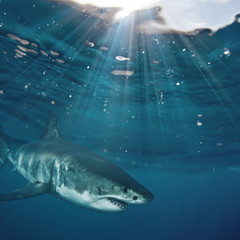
(4, 147)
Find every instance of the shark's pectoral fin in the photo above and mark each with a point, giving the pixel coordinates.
(31, 190)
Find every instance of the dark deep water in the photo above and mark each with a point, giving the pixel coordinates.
(168, 115)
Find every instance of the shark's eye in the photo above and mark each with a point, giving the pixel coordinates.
(135, 198)
(125, 189)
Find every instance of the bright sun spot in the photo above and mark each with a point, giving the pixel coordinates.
(178, 15)
(127, 6)
(123, 13)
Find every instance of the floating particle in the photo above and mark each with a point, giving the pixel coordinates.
(219, 144)
(34, 45)
(12, 36)
(121, 58)
(23, 41)
(52, 102)
(90, 44)
(20, 52)
(59, 60)
(199, 123)
(27, 49)
(199, 115)
(22, 48)
(1, 92)
(159, 95)
(32, 51)
(227, 52)
(44, 53)
(122, 72)
(103, 48)
(54, 53)
(178, 84)
(184, 50)
(19, 55)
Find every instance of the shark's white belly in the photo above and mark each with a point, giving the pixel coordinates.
(85, 199)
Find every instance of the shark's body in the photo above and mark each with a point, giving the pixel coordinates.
(72, 173)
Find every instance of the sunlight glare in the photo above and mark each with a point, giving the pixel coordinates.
(127, 6)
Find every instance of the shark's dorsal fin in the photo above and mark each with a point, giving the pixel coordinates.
(31, 190)
(51, 128)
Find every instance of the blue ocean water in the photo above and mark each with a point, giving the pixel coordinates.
(163, 107)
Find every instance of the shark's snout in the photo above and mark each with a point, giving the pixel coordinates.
(149, 197)
(140, 197)
(145, 197)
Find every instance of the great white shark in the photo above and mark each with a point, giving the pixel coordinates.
(70, 172)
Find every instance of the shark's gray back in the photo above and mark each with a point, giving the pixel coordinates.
(46, 160)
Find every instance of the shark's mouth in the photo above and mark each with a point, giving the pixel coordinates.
(119, 204)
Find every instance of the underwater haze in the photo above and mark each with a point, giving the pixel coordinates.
(162, 105)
